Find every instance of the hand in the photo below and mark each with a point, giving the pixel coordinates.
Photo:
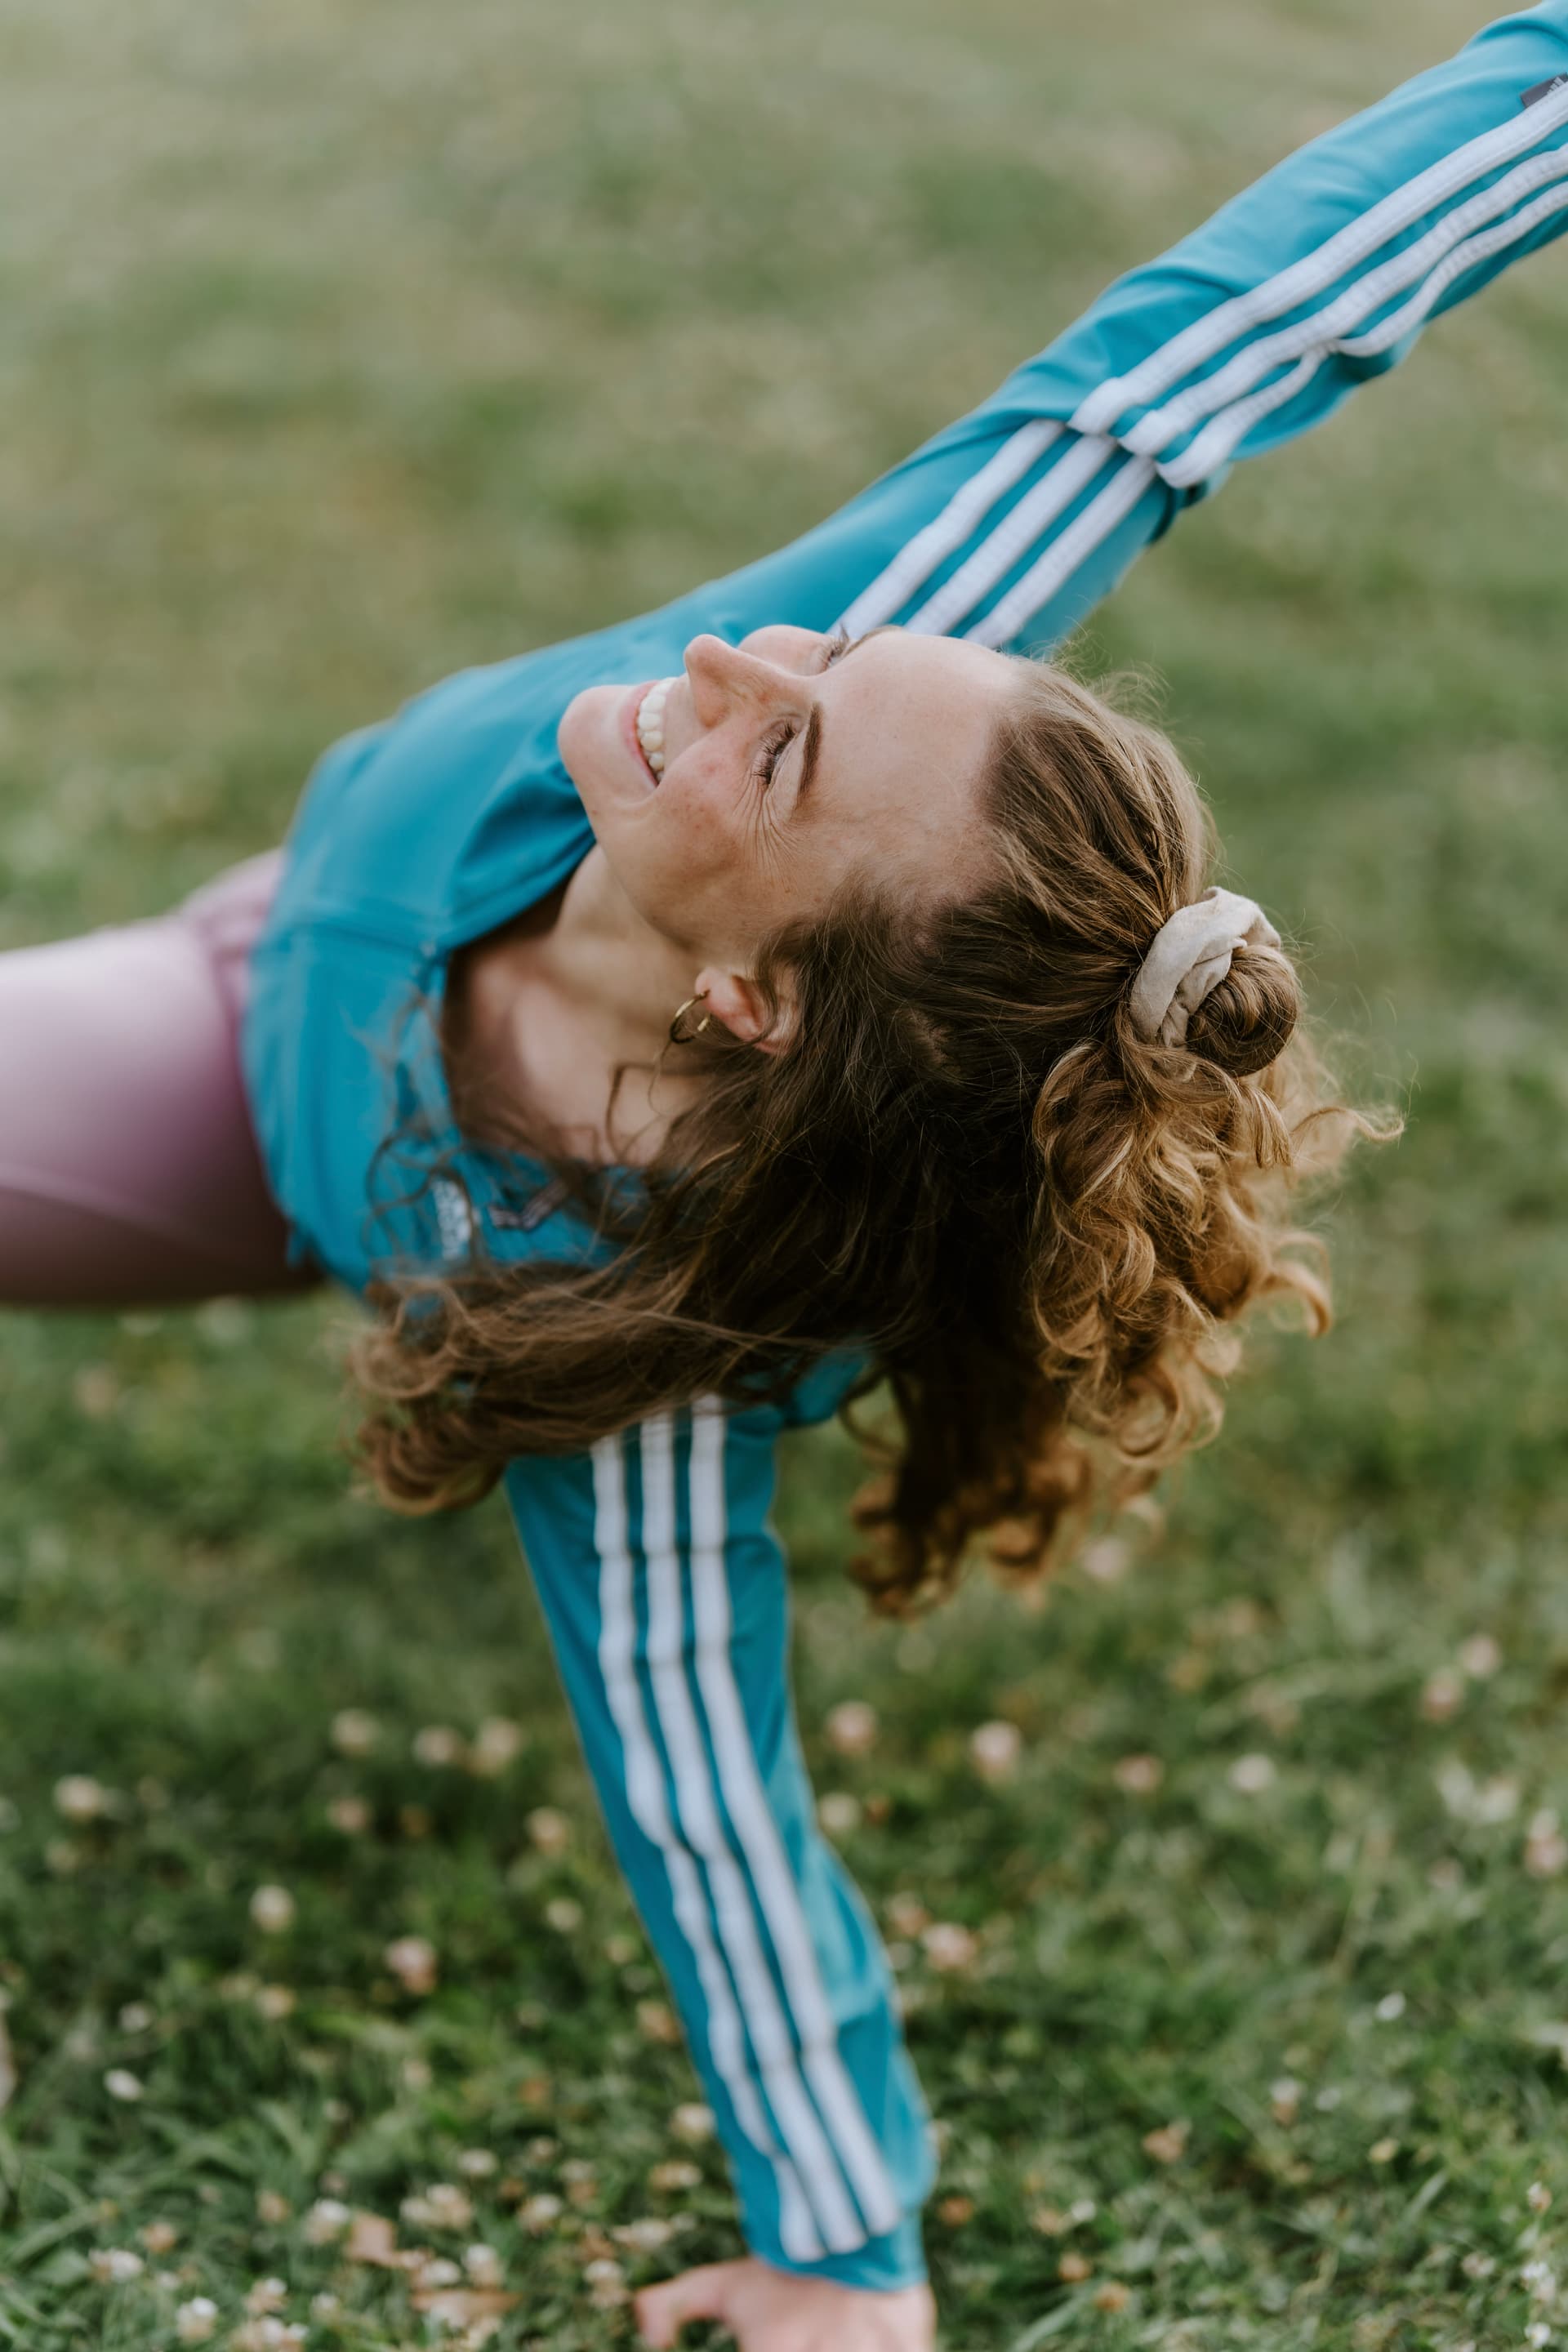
(768, 2310)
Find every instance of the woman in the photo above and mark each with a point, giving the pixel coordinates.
(674, 1030)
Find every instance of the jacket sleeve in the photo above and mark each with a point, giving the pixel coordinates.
(1009, 526)
(664, 1587)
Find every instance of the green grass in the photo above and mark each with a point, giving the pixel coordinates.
(342, 346)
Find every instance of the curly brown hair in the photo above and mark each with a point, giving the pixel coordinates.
(1036, 1228)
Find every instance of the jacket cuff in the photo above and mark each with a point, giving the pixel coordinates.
(897, 2258)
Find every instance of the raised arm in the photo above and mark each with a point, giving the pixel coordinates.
(666, 1594)
(1012, 524)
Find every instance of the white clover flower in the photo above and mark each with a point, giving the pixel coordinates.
(266, 2294)
(1389, 2008)
(437, 1743)
(272, 1910)
(442, 2206)
(122, 2083)
(540, 2213)
(840, 1812)
(354, 1733)
(994, 1749)
(115, 2265)
(350, 1816)
(1285, 2099)
(80, 1797)
(1139, 1774)
(1442, 1695)
(326, 2221)
(1251, 1775)
(325, 2305)
(949, 1946)
(478, 2163)
(646, 2235)
(438, 2272)
(674, 2175)
(413, 1961)
(692, 2121)
(497, 1743)
(548, 1830)
(276, 2001)
(852, 1728)
(135, 2016)
(483, 2265)
(1479, 1656)
(196, 2321)
(564, 1914)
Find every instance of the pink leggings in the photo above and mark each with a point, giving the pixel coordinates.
(128, 1170)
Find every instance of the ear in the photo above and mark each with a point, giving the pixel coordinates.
(734, 999)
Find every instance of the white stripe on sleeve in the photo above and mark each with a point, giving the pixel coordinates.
(777, 2059)
(975, 579)
(1214, 445)
(645, 1794)
(1315, 272)
(747, 1810)
(914, 563)
(1160, 426)
(1032, 592)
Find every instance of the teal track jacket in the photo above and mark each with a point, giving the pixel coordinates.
(655, 1559)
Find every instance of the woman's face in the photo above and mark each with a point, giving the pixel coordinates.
(793, 763)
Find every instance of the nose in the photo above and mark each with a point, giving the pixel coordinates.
(720, 673)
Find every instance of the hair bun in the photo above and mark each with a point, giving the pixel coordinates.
(1246, 1020)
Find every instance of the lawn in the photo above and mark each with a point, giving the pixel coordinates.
(342, 346)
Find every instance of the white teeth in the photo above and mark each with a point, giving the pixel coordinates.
(650, 724)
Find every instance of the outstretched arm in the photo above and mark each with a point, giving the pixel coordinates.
(666, 1594)
(1009, 526)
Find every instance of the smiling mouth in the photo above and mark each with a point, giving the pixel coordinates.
(649, 725)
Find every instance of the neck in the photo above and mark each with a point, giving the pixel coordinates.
(623, 978)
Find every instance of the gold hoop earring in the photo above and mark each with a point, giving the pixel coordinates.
(676, 1037)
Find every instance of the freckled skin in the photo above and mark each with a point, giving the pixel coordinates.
(713, 859)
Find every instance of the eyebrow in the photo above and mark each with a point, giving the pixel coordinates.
(811, 741)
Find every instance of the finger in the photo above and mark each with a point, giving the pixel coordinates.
(663, 2311)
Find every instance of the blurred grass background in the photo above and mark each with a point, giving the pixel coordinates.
(342, 346)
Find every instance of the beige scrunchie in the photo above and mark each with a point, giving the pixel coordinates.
(1189, 956)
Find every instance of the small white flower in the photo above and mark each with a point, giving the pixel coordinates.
(839, 1812)
(80, 1797)
(548, 1830)
(350, 1816)
(646, 2235)
(1538, 2197)
(564, 1914)
(438, 2272)
(439, 1745)
(1389, 2008)
(852, 1728)
(414, 1962)
(948, 1945)
(276, 2001)
(115, 2265)
(272, 1910)
(692, 2121)
(483, 2265)
(497, 1743)
(1081, 2209)
(477, 2164)
(354, 1733)
(1479, 1656)
(1251, 1775)
(1537, 2335)
(442, 2206)
(196, 2321)
(325, 2221)
(1540, 2279)
(994, 1749)
(1285, 2098)
(674, 2175)
(325, 2305)
(121, 2084)
(1442, 1695)
(539, 2214)
(266, 2294)
(1139, 1774)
